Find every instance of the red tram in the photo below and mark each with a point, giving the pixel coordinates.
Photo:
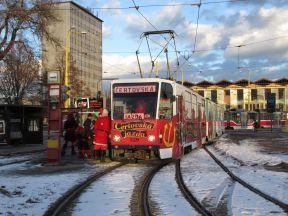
(160, 117)
(241, 119)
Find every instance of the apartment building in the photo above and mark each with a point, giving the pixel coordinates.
(80, 32)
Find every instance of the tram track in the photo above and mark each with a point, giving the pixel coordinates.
(143, 198)
(22, 153)
(14, 162)
(187, 194)
(63, 202)
(246, 184)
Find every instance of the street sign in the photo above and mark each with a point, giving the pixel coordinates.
(96, 104)
(271, 103)
(53, 77)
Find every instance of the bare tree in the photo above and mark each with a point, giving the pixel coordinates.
(19, 75)
(19, 16)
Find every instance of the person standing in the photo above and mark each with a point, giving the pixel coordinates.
(70, 126)
(88, 127)
(101, 133)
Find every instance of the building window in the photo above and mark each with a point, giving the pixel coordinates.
(281, 93)
(227, 92)
(33, 125)
(267, 93)
(201, 93)
(254, 94)
(214, 95)
(240, 95)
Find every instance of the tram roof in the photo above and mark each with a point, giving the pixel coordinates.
(142, 80)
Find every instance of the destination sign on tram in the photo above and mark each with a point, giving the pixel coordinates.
(135, 89)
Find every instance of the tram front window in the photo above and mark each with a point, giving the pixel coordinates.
(236, 117)
(135, 101)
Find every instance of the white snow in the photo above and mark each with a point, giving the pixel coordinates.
(10, 159)
(249, 152)
(165, 193)
(270, 182)
(32, 194)
(111, 194)
(214, 188)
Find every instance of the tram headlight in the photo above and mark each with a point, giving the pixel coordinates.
(116, 138)
(151, 138)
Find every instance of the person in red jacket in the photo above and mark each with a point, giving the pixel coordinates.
(101, 133)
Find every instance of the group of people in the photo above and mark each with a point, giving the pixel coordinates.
(92, 136)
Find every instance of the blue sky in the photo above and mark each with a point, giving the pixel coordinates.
(259, 27)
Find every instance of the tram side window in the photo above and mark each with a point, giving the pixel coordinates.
(166, 101)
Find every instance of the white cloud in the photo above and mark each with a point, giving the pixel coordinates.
(266, 24)
(232, 29)
(127, 66)
(106, 31)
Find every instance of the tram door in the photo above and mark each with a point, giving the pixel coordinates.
(244, 119)
(277, 119)
(180, 122)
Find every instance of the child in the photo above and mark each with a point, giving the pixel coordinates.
(83, 143)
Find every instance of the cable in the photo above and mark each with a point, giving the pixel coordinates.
(117, 67)
(183, 51)
(133, 7)
(199, 5)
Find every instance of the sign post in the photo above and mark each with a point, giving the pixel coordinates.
(54, 116)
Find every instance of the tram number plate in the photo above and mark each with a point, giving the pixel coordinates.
(134, 116)
(134, 139)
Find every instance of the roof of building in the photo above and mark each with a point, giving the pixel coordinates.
(263, 81)
(223, 83)
(241, 82)
(282, 81)
(205, 83)
(82, 8)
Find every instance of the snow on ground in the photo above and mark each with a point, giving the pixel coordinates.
(270, 182)
(24, 194)
(111, 194)
(10, 159)
(166, 196)
(249, 151)
(214, 188)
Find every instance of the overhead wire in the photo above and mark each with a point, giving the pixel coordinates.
(183, 51)
(117, 67)
(133, 7)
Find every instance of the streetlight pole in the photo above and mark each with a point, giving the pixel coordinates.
(66, 76)
(249, 90)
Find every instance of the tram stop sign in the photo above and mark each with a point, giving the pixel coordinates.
(271, 102)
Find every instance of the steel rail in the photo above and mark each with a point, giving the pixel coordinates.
(61, 204)
(144, 208)
(14, 162)
(245, 184)
(22, 153)
(187, 194)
